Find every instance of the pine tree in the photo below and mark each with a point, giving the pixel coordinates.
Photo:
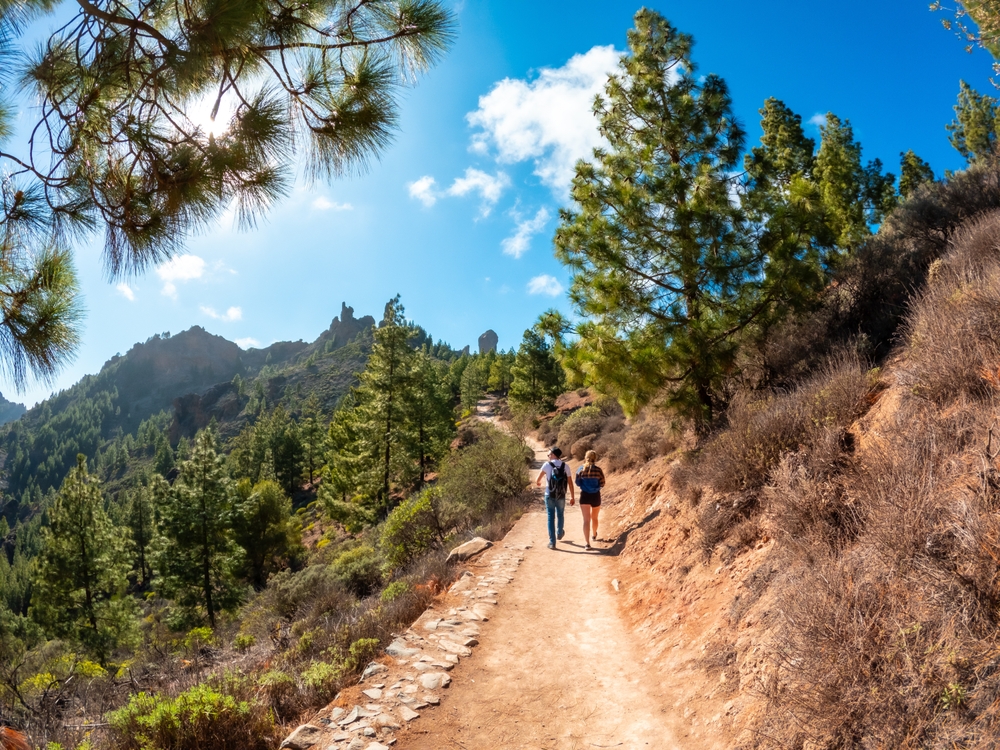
(264, 527)
(536, 376)
(124, 152)
(197, 556)
(500, 375)
(664, 265)
(913, 172)
(855, 196)
(312, 436)
(429, 415)
(380, 420)
(140, 515)
(80, 587)
(973, 132)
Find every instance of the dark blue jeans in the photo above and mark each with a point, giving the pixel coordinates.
(555, 509)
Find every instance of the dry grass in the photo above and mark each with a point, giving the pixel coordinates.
(890, 592)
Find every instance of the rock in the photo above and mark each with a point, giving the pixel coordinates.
(455, 648)
(373, 693)
(356, 744)
(432, 624)
(304, 737)
(614, 583)
(488, 341)
(470, 614)
(408, 714)
(435, 680)
(410, 689)
(422, 666)
(432, 699)
(481, 611)
(368, 732)
(385, 721)
(399, 649)
(337, 712)
(453, 658)
(376, 746)
(373, 669)
(340, 737)
(470, 642)
(352, 716)
(470, 549)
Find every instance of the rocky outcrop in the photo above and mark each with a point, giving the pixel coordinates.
(345, 327)
(488, 342)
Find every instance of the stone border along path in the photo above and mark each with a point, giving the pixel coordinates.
(423, 655)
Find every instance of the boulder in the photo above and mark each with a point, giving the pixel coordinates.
(470, 549)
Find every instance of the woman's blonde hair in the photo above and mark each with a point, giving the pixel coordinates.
(590, 458)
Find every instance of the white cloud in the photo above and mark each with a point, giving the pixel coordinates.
(180, 268)
(517, 244)
(233, 313)
(547, 120)
(126, 291)
(248, 343)
(322, 203)
(490, 187)
(423, 190)
(545, 284)
(818, 119)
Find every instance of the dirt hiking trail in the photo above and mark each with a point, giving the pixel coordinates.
(558, 667)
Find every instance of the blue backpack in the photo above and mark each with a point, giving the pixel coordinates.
(590, 485)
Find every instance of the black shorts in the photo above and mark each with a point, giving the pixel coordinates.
(590, 498)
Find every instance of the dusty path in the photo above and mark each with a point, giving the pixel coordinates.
(557, 668)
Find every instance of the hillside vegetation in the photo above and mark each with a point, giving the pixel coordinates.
(234, 561)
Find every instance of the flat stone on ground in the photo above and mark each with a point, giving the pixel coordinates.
(435, 680)
(408, 714)
(304, 737)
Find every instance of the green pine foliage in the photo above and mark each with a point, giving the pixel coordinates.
(973, 132)
(536, 376)
(679, 258)
(263, 525)
(124, 153)
(393, 429)
(80, 587)
(913, 172)
(197, 556)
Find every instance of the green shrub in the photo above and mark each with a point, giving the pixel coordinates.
(197, 718)
(322, 677)
(410, 530)
(394, 590)
(483, 478)
(361, 652)
(359, 569)
(244, 642)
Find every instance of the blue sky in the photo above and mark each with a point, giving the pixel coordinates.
(458, 214)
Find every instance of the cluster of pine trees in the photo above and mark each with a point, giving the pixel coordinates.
(685, 249)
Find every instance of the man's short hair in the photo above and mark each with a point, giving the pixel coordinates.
(555, 452)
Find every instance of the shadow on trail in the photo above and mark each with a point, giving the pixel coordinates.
(616, 549)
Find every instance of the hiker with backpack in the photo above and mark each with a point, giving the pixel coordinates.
(556, 473)
(590, 479)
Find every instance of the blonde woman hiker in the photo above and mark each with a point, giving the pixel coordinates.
(590, 479)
